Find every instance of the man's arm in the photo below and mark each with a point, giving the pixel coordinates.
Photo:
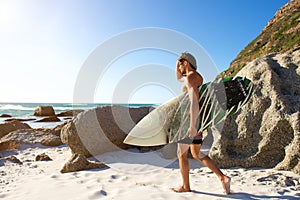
(194, 109)
(193, 82)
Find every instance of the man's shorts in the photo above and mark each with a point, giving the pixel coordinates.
(196, 140)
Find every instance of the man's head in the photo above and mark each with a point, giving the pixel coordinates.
(185, 56)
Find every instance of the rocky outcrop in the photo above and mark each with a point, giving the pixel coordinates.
(5, 115)
(46, 137)
(78, 162)
(20, 119)
(44, 111)
(69, 113)
(101, 129)
(286, 9)
(49, 119)
(281, 34)
(266, 133)
(12, 126)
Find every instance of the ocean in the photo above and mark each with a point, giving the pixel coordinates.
(26, 110)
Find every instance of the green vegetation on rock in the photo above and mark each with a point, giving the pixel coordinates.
(282, 34)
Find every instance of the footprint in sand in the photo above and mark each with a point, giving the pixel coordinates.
(117, 178)
(114, 176)
(54, 176)
(98, 194)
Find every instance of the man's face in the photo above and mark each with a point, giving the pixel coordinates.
(181, 65)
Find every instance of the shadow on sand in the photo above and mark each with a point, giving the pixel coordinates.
(244, 195)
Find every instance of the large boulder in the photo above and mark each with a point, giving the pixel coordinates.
(266, 132)
(101, 129)
(44, 111)
(43, 136)
(12, 126)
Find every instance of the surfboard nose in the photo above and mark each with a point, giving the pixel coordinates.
(149, 131)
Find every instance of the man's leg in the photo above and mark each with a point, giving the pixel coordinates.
(182, 153)
(197, 154)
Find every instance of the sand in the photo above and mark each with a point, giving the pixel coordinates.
(132, 180)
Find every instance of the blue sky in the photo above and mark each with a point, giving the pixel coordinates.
(44, 43)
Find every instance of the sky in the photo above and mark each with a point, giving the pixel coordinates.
(46, 45)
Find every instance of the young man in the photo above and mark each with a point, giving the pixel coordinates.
(186, 72)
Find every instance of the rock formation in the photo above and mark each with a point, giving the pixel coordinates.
(5, 115)
(266, 132)
(42, 157)
(12, 126)
(78, 162)
(101, 130)
(44, 136)
(20, 119)
(281, 34)
(69, 113)
(49, 119)
(44, 111)
(13, 159)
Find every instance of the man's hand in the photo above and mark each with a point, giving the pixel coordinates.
(192, 132)
(179, 71)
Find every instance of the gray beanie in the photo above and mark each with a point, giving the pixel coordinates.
(190, 58)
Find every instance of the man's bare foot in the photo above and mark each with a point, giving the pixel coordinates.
(226, 184)
(181, 189)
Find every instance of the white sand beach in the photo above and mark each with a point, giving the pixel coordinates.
(42, 180)
(105, 65)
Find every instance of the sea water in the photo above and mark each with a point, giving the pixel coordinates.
(26, 110)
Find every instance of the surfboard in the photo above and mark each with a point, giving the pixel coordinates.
(169, 122)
